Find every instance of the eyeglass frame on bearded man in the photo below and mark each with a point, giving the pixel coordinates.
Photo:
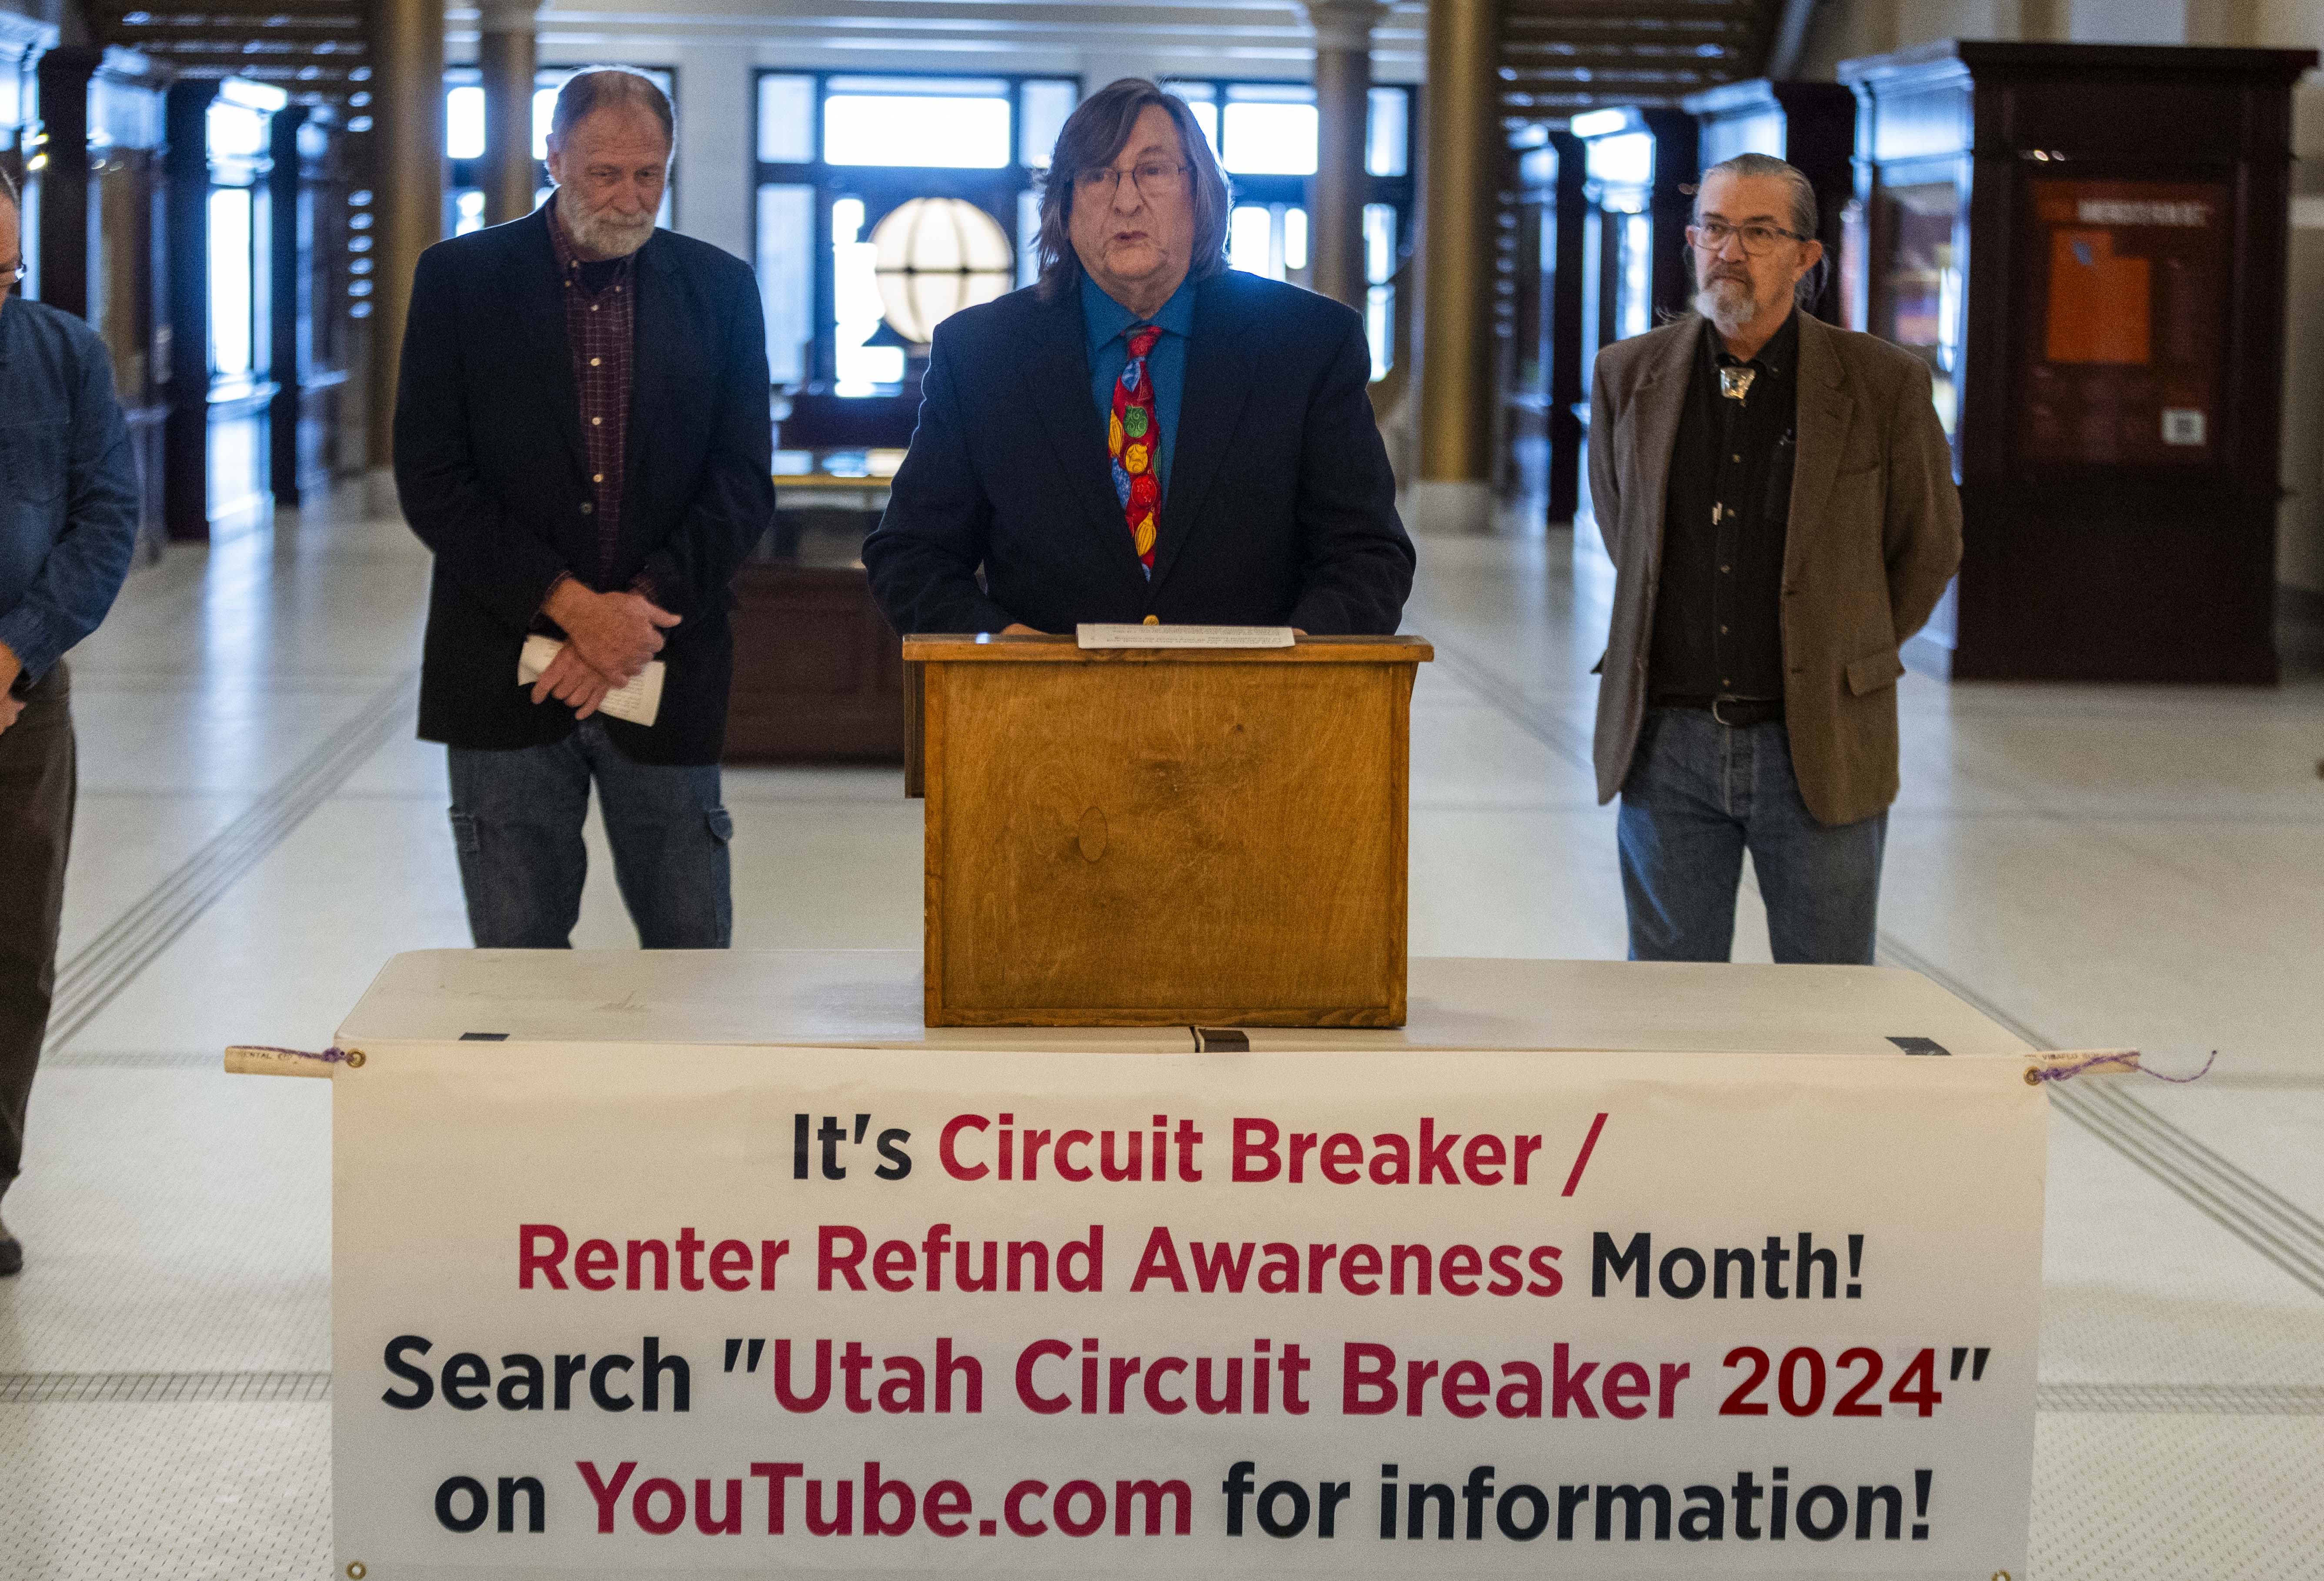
(1711, 235)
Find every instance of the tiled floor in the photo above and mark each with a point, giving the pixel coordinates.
(258, 832)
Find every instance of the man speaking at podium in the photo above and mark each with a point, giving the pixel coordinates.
(1144, 435)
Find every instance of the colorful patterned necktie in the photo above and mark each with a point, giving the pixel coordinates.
(1133, 439)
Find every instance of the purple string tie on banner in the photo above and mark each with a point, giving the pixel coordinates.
(330, 1056)
(2069, 1067)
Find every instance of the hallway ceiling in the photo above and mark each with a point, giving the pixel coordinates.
(1557, 56)
(1560, 56)
(310, 47)
(307, 47)
(1250, 38)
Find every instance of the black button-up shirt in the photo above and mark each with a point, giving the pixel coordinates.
(1719, 602)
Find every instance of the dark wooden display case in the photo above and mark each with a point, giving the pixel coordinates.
(1540, 375)
(315, 421)
(2086, 243)
(818, 673)
(1811, 125)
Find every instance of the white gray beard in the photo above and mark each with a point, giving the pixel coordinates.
(1731, 309)
(608, 236)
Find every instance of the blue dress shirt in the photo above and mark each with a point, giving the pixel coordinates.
(1109, 324)
(68, 484)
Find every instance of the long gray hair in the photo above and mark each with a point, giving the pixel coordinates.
(1094, 136)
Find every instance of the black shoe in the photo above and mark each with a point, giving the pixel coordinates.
(11, 1255)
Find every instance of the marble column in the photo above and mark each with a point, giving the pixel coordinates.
(1454, 491)
(1343, 80)
(407, 161)
(505, 56)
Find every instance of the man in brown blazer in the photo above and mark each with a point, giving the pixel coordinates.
(1777, 497)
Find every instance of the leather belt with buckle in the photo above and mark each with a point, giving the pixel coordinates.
(1736, 712)
(1741, 712)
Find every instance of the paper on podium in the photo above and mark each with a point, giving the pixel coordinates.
(638, 702)
(1109, 636)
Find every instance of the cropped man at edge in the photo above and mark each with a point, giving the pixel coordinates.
(581, 436)
(1777, 497)
(67, 528)
(1144, 435)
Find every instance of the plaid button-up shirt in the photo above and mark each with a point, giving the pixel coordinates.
(600, 331)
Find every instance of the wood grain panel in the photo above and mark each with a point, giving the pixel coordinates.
(1114, 843)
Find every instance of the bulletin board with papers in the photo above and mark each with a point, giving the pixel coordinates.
(2124, 351)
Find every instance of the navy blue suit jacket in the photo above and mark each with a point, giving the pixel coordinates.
(493, 474)
(1281, 509)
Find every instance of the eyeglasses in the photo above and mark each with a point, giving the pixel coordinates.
(1152, 180)
(1712, 234)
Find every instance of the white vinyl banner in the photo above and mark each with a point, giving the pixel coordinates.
(605, 1308)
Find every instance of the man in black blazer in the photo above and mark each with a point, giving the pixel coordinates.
(581, 438)
(1144, 436)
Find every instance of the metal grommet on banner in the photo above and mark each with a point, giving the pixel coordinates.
(354, 1059)
(2001, 1576)
(355, 1571)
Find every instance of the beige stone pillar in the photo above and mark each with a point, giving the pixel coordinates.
(505, 56)
(407, 150)
(1454, 491)
(1343, 81)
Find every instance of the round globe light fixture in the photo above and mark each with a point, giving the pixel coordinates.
(932, 257)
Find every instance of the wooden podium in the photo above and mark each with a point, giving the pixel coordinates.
(1163, 836)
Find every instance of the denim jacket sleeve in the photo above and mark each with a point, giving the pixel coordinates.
(95, 520)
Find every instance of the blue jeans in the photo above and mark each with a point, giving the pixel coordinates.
(1699, 795)
(517, 818)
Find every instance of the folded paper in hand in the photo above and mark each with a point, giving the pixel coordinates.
(638, 702)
